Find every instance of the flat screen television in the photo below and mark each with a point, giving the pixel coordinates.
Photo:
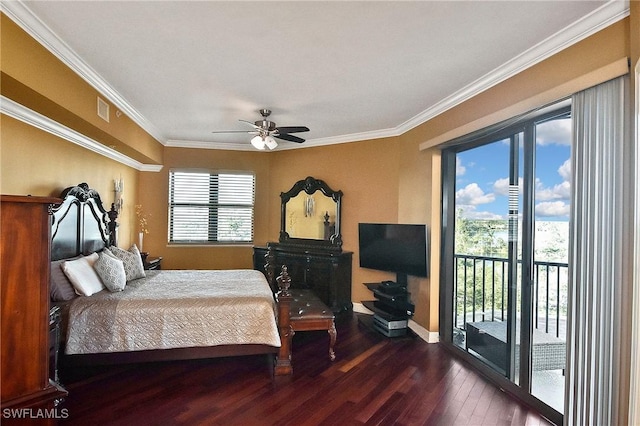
(399, 248)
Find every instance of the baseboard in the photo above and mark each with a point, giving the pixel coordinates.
(421, 332)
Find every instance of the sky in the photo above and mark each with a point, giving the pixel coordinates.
(482, 185)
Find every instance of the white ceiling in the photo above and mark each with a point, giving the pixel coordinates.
(347, 70)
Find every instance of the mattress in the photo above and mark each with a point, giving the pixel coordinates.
(175, 309)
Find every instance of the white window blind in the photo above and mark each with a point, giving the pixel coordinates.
(209, 207)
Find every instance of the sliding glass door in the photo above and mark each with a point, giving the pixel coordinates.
(505, 244)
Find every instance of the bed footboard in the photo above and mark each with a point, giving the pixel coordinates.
(283, 361)
(281, 284)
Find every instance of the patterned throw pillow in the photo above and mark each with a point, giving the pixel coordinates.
(133, 266)
(111, 271)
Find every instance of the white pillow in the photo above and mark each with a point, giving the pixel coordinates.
(132, 260)
(111, 272)
(83, 277)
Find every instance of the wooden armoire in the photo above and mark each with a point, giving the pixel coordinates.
(25, 380)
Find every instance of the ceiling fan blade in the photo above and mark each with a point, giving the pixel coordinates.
(232, 131)
(251, 124)
(287, 137)
(292, 129)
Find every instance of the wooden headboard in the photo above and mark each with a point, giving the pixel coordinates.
(81, 225)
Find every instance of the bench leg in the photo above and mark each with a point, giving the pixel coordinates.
(332, 341)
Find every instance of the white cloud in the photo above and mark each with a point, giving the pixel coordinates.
(460, 169)
(561, 191)
(501, 186)
(565, 170)
(552, 208)
(473, 195)
(470, 212)
(554, 131)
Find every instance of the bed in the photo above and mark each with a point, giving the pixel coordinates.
(161, 314)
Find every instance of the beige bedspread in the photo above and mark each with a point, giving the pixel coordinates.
(176, 309)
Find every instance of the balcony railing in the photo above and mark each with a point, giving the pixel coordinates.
(481, 292)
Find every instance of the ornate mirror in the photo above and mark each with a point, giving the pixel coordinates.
(310, 215)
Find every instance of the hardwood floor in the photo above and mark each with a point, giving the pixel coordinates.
(374, 380)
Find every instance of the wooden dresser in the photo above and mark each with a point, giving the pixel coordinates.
(326, 272)
(25, 382)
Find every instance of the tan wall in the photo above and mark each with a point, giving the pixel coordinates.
(37, 163)
(38, 80)
(592, 61)
(154, 197)
(366, 172)
(383, 180)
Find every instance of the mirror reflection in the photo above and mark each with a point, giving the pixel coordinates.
(311, 216)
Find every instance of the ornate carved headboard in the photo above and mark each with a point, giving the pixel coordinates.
(81, 225)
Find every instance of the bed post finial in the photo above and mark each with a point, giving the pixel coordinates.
(283, 297)
(284, 281)
(269, 268)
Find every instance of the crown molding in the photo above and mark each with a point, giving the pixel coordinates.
(352, 137)
(309, 143)
(29, 22)
(37, 120)
(607, 14)
(228, 146)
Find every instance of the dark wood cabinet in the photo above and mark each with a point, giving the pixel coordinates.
(327, 273)
(25, 230)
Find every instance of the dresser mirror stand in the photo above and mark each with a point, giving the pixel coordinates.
(310, 215)
(310, 243)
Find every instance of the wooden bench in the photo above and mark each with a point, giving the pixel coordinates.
(308, 313)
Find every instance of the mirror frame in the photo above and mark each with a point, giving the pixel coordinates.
(311, 185)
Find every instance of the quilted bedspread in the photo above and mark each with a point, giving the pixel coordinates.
(176, 309)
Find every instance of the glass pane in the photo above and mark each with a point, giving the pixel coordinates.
(234, 224)
(211, 207)
(190, 223)
(189, 188)
(235, 189)
(551, 247)
(482, 234)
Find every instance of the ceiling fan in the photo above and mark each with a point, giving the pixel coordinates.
(265, 131)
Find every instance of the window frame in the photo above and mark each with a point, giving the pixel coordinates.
(523, 123)
(213, 207)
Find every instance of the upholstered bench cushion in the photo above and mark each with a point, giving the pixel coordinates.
(306, 305)
(308, 313)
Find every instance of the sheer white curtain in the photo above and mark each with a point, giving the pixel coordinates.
(599, 257)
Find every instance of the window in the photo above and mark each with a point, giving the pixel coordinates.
(210, 207)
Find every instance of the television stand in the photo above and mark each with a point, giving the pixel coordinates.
(391, 309)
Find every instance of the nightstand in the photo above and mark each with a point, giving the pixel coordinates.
(151, 263)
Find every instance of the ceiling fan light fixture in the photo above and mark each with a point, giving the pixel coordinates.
(270, 142)
(258, 142)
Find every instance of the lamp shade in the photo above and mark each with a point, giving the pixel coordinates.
(270, 142)
(257, 142)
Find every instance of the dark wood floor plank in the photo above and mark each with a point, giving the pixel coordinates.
(375, 380)
(385, 393)
(465, 416)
